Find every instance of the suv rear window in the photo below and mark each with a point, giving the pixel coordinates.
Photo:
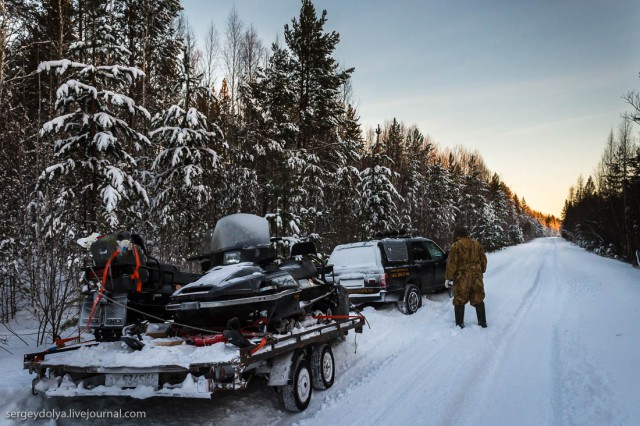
(354, 256)
(396, 251)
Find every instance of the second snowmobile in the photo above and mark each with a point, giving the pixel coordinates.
(245, 281)
(125, 285)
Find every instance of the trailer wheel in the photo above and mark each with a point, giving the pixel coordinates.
(411, 301)
(297, 395)
(323, 367)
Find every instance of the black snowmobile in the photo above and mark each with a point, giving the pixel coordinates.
(247, 284)
(125, 286)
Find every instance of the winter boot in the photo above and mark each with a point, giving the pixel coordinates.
(482, 316)
(459, 312)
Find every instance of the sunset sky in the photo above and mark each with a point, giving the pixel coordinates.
(534, 86)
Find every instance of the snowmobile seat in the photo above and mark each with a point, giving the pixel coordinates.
(301, 249)
(299, 269)
(169, 274)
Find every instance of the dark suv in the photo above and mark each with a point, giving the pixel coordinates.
(390, 270)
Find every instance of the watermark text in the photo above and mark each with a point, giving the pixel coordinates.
(74, 414)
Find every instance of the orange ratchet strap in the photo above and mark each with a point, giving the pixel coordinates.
(136, 272)
(61, 342)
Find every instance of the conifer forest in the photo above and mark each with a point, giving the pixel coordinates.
(115, 116)
(602, 214)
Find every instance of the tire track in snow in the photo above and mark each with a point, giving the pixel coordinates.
(583, 391)
(365, 369)
(420, 365)
(485, 366)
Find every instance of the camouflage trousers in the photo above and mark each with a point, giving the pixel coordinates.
(468, 288)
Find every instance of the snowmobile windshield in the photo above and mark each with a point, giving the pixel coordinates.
(238, 231)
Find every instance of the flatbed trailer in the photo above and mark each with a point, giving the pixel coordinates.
(294, 363)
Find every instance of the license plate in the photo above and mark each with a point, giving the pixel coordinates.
(132, 380)
(352, 283)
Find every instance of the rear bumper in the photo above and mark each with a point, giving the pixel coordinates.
(362, 295)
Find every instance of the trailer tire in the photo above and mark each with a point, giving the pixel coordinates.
(297, 394)
(411, 301)
(323, 367)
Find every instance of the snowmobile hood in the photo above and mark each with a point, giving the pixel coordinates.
(222, 277)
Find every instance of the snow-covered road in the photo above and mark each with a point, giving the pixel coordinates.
(562, 348)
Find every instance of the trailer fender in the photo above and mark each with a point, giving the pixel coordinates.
(281, 370)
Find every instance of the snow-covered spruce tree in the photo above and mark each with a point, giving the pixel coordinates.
(344, 199)
(473, 197)
(531, 227)
(439, 203)
(92, 180)
(378, 211)
(318, 110)
(149, 31)
(91, 183)
(17, 166)
(186, 170)
(503, 205)
(417, 153)
(490, 230)
(269, 131)
(296, 121)
(9, 279)
(394, 142)
(493, 229)
(240, 175)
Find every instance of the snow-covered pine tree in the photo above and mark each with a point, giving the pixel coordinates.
(317, 112)
(417, 153)
(270, 131)
(343, 198)
(92, 178)
(91, 183)
(240, 171)
(472, 203)
(149, 31)
(17, 166)
(378, 211)
(186, 169)
(490, 231)
(394, 142)
(439, 203)
(531, 227)
(500, 198)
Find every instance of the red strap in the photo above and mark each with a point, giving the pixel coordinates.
(136, 272)
(259, 346)
(61, 342)
(336, 316)
(255, 324)
(207, 340)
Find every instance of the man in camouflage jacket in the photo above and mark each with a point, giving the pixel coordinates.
(465, 265)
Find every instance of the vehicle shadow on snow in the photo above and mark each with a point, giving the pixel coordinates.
(438, 297)
(256, 405)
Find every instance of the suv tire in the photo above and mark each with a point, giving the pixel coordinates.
(411, 301)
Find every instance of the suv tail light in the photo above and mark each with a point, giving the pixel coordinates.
(383, 280)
